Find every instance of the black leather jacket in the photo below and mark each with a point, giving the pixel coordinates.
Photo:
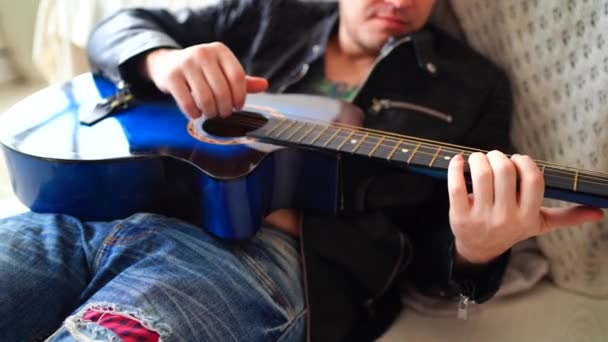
(425, 84)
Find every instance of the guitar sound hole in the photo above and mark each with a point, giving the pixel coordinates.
(236, 125)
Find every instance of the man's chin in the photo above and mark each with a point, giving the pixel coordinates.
(377, 41)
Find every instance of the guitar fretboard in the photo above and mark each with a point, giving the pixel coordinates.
(409, 151)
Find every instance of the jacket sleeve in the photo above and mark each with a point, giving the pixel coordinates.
(116, 42)
(433, 270)
(434, 255)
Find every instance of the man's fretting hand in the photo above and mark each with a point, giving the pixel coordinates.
(205, 79)
(496, 215)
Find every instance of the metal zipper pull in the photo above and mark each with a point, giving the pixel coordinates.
(463, 307)
(380, 104)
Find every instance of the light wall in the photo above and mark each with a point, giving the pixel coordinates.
(17, 18)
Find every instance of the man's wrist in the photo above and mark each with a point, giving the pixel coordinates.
(147, 62)
(463, 257)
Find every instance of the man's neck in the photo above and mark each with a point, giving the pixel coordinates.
(346, 64)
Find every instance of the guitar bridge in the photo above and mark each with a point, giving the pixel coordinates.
(108, 106)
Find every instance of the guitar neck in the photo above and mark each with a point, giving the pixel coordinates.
(432, 158)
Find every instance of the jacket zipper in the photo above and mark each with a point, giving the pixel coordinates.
(301, 74)
(463, 307)
(380, 104)
(383, 53)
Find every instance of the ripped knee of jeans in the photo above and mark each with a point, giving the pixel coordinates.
(110, 322)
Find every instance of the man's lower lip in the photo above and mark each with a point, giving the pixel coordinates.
(392, 23)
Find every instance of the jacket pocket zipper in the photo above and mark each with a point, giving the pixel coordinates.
(463, 307)
(380, 104)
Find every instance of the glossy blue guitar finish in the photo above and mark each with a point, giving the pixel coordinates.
(143, 160)
(224, 175)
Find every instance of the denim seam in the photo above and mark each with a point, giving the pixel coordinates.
(276, 232)
(292, 325)
(269, 285)
(104, 247)
(285, 246)
(112, 240)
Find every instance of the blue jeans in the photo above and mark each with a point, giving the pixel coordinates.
(172, 278)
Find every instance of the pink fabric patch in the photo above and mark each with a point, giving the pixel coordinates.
(127, 329)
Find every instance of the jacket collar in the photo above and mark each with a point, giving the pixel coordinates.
(423, 43)
(322, 33)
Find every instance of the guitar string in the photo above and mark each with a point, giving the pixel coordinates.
(582, 174)
(379, 133)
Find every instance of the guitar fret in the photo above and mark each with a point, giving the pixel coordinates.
(435, 157)
(444, 158)
(562, 179)
(275, 127)
(413, 153)
(319, 136)
(394, 149)
(368, 144)
(295, 131)
(379, 148)
(467, 168)
(312, 127)
(286, 128)
(356, 144)
(345, 140)
(332, 137)
(404, 153)
(360, 142)
(376, 147)
(590, 183)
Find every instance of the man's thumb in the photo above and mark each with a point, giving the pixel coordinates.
(556, 218)
(256, 84)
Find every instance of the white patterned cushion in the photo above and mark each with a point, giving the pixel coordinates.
(556, 53)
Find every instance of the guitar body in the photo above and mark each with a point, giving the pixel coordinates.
(150, 158)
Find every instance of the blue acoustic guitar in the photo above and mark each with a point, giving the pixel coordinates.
(280, 151)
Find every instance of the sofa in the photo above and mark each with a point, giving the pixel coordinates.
(556, 287)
